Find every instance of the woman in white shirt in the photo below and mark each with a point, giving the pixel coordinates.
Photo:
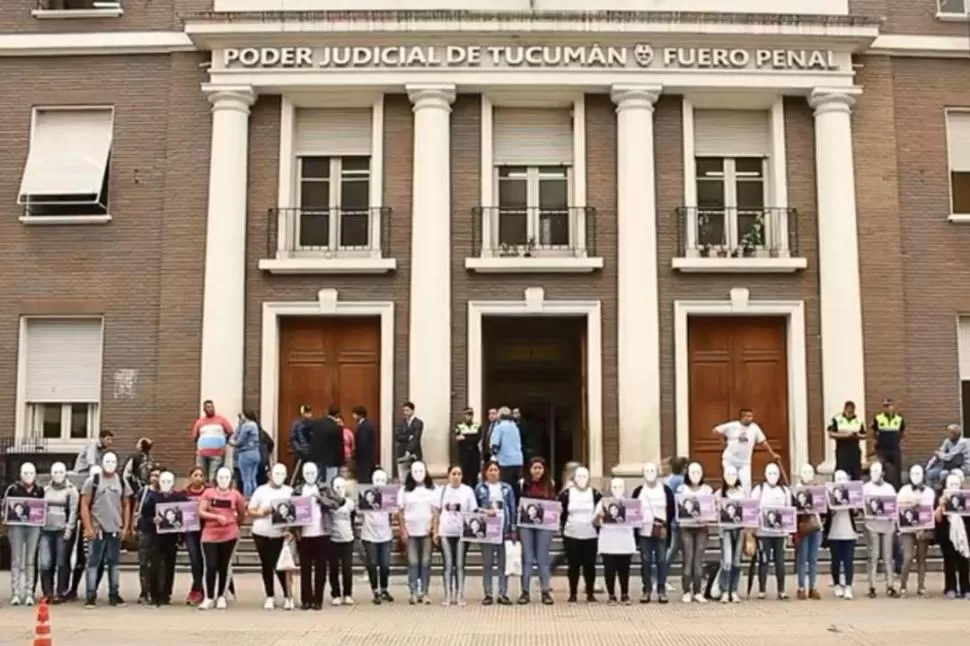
(771, 545)
(912, 495)
(659, 510)
(313, 543)
(342, 546)
(376, 537)
(615, 544)
(731, 546)
(268, 538)
(693, 537)
(579, 533)
(417, 507)
(454, 499)
(809, 540)
(879, 532)
(842, 538)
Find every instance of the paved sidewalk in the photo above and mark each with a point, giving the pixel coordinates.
(880, 622)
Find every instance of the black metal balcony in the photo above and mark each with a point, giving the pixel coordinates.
(534, 232)
(77, 5)
(329, 232)
(768, 232)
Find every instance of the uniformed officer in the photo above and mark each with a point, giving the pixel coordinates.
(847, 430)
(469, 456)
(889, 427)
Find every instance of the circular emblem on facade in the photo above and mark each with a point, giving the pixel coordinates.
(643, 54)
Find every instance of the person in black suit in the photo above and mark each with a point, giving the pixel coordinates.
(327, 444)
(407, 440)
(364, 445)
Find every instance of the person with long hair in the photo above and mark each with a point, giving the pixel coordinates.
(496, 498)
(456, 498)
(659, 511)
(579, 533)
(536, 542)
(268, 537)
(771, 546)
(731, 545)
(693, 539)
(223, 510)
(880, 532)
(193, 491)
(809, 541)
(914, 544)
(377, 538)
(313, 545)
(840, 532)
(248, 457)
(951, 532)
(341, 528)
(416, 517)
(616, 544)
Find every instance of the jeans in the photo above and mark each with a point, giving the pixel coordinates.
(419, 565)
(694, 541)
(913, 546)
(843, 553)
(731, 550)
(378, 564)
(880, 543)
(493, 556)
(54, 558)
(744, 473)
(23, 558)
(105, 549)
(453, 553)
(536, 544)
(771, 548)
(653, 551)
(675, 548)
(806, 558)
(193, 546)
(210, 464)
(248, 462)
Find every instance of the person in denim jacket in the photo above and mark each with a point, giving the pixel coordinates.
(496, 497)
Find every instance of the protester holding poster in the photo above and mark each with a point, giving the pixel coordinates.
(417, 503)
(25, 515)
(729, 498)
(771, 542)
(223, 509)
(615, 544)
(341, 528)
(659, 509)
(268, 535)
(538, 523)
(841, 534)
(880, 527)
(496, 498)
(377, 538)
(579, 533)
(915, 543)
(455, 498)
(693, 535)
(809, 533)
(163, 546)
(951, 533)
(54, 553)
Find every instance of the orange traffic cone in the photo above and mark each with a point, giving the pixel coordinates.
(42, 631)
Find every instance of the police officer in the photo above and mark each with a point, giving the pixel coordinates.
(847, 429)
(469, 456)
(889, 427)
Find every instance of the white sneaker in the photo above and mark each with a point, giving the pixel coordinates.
(337, 601)
(221, 603)
(288, 604)
(15, 601)
(348, 601)
(269, 604)
(848, 594)
(28, 600)
(699, 598)
(446, 602)
(725, 598)
(839, 592)
(687, 598)
(206, 604)
(735, 597)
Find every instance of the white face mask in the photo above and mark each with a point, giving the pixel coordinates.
(310, 473)
(617, 487)
(223, 478)
(695, 474)
(953, 482)
(279, 474)
(731, 476)
(58, 472)
(340, 487)
(581, 477)
(650, 473)
(841, 477)
(916, 475)
(28, 473)
(166, 482)
(418, 472)
(772, 474)
(807, 474)
(379, 478)
(875, 472)
(109, 463)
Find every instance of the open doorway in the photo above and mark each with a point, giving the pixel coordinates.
(537, 364)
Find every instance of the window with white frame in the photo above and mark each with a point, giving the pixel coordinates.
(958, 147)
(61, 372)
(67, 169)
(953, 7)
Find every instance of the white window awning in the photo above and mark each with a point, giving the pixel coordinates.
(68, 157)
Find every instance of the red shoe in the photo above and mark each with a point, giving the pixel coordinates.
(195, 598)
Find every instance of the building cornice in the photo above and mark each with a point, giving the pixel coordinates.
(95, 43)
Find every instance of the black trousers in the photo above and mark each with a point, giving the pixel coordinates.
(617, 566)
(162, 569)
(580, 555)
(341, 569)
(217, 559)
(956, 568)
(146, 552)
(313, 567)
(269, 553)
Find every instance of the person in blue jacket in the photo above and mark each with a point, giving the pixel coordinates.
(300, 442)
(495, 497)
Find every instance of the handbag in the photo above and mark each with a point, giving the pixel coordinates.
(808, 524)
(749, 543)
(513, 558)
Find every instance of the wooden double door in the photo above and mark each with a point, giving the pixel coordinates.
(326, 361)
(737, 362)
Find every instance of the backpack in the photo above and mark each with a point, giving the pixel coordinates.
(95, 483)
(266, 446)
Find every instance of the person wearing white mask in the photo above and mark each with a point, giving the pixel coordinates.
(693, 538)
(658, 510)
(496, 498)
(269, 538)
(376, 536)
(771, 547)
(313, 543)
(54, 554)
(162, 548)
(579, 534)
(455, 498)
(615, 544)
(23, 538)
(731, 545)
(341, 528)
(106, 516)
(809, 541)
(914, 544)
(417, 509)
(879, 532)
(223, 509)
(951, 533)
(841, 535)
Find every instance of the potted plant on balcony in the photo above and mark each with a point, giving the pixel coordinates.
(753, 238)
(530, 246)
(508, 250)
(704, 250)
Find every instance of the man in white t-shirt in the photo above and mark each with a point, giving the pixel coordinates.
(740, 439)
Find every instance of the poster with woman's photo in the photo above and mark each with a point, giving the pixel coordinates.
(879, 507)
(734, 513)
(31, 512)
(479, 527)
(916, 518)
(696, 509)
(622, 512)
(176, 517)
(374, 498)
(844, 495)
(956, 502)
(810, 499)
(290, 512)
(539, 514)
(778, 521)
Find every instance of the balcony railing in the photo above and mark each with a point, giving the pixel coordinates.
(500, 232)
(326, 233)
(77, 5)
(769, 232)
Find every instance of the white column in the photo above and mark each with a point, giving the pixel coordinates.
(429, 370)
(638, 325)
(843, 362)
(223, 308)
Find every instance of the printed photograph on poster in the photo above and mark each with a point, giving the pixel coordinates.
(31, 512)
(810, 499)
(779, 521)
(479, 527)
(622, 512)
(370, 499)
(956, 502)
(696, 509)
(176, 517)
(844, 495)
(289, 512)
(880, 507)
(734, 513)
(539, 514)
(915, 518)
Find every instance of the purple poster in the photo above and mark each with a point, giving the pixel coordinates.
(696, 509)
(622, 512)
(916, 518)
(374, 498)
(956, 502)
(287, 512)
(536, 513)
(479, 527)
(735, 513)
(26, 511)
(880, 507)
(810, 499)
(844, 495)
(176, 517)
(778, 521)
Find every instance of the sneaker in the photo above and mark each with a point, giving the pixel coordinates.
(289, 604)
(269, 604)
(348, 601)
(523, 599)
(625, 599)
(117, 602)
(735, 597)
(761, 596)
(726, 597)
(427, 601)
(487, 601)
(950, 594)
(143, 600)
(838, 591)
(687, 598)
(662, 599)
(699, 598)
(872, 593)
(15, 601)
(591, 598)
(892, 593)
(194, 598)
(801, 595)
(782, 596)
(848, 594)
(547, 599)
(337, 601)
(503, 600)
(28, 600)
(412, 600)
(902, 593)
(645, 597)
(446, 603)
(611, 600)
(89, 601)
(814, 595)
(376, 598)
(461, 602)
(571, 599)
(206, 604)
(221, 603)
(921, 592)
(386, 596)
